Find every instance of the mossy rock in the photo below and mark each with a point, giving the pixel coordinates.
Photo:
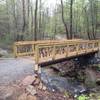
(90, 80)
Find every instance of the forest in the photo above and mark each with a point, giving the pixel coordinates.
(49, 49)
(38, 20)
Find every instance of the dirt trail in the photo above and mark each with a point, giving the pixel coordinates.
(12, 70)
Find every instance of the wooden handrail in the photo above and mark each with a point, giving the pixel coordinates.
(43, 51)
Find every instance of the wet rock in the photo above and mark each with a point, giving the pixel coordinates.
(98, 81)
(90, 78)
(95, 60)
(61, 84)
(50, 71)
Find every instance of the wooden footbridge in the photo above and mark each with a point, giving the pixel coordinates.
(53, 50)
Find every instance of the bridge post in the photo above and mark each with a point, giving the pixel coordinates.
(37, 69)
(15, 50)
(36, 54)
(67, 50)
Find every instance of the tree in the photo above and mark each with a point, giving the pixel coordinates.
(32, 18)
(28, 13)
(35, 21)
(65, 25)
(71, 18)
(24, 20)
(87, 23)
(92, 18)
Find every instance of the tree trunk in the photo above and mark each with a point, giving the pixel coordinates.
(35, 21)
(71, 18)
(92, 18)
(24, 20)
(28, 13)
(32, 22)
(65, 25)
(40, 23)
(87, 24)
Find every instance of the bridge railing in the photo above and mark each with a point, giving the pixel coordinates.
(49, 52)
(24, 49)
(27, 48)
(44, 51)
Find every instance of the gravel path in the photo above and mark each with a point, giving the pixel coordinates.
(12, 70)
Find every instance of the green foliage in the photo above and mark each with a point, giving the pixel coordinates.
(83, 97)
(51, 23)
(6, 40)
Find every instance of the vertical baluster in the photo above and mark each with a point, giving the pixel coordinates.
(54, 52)
(66, 50)
(33, 46)
(93, 46)
(37, 54)
(77, 48)
(87, 46)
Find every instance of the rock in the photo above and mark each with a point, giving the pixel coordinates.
(28, 80)
(23, 97)
(49, 71)
(37, 81)
(3, 52)
(90, 78)
(40, 86)
(44, 88)
(31, 90)
(30, 97)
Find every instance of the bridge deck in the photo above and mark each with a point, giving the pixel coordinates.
(45, 51)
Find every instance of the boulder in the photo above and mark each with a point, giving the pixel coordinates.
(44, 88)
(3, 52)
(28, 80)
(40, 86)
(37, 81)
(31, 89)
